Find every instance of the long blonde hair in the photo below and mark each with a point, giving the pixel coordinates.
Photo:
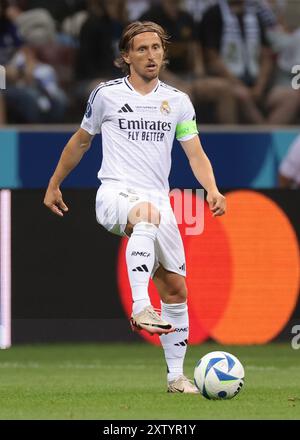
(136, 28)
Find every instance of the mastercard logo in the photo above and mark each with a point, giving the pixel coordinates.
(242, 273)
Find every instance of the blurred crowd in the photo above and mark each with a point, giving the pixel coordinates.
(233, 57)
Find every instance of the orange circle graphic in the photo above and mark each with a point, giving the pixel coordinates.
(209, 277)
(242, 273)
(265, 270)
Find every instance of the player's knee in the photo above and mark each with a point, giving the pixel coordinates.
(144, 212)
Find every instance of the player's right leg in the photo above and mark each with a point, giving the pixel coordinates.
(142, 228)
(126, 212)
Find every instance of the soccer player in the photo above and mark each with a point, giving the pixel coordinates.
(139, 116)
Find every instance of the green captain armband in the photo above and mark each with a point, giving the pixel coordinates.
(186, 128)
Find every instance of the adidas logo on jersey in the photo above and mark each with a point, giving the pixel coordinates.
(125, 109)
(142, 268)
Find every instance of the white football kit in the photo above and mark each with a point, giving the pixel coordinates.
(137, 137)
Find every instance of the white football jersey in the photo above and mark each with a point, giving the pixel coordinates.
(138, 131)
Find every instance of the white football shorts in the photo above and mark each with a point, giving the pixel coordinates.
(113, 203)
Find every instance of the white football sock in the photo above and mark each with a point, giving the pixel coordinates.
(140, 258)
(175, 344)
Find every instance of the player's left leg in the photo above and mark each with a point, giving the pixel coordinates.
(173, 293)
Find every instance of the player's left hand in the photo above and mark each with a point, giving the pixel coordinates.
(216, 202)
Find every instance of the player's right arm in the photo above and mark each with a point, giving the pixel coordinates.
(72, 154)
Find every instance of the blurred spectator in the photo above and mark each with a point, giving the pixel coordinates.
(36, 26)
(98, 41)
(10, 42)
(10, 39)
(136, 8)
(197, 8)
(2, 109)
(71, 26)
(32, 93)
(265, 11)
(237, 49)
(39, 70)
(289, 169)
(58, 9)
(283, 101)
(185, 69)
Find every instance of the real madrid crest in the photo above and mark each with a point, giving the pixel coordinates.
(165, 108)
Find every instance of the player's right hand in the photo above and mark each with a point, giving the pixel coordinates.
(54, 201)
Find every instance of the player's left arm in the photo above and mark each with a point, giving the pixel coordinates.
(202, 169)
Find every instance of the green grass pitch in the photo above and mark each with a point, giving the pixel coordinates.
(128, 381)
